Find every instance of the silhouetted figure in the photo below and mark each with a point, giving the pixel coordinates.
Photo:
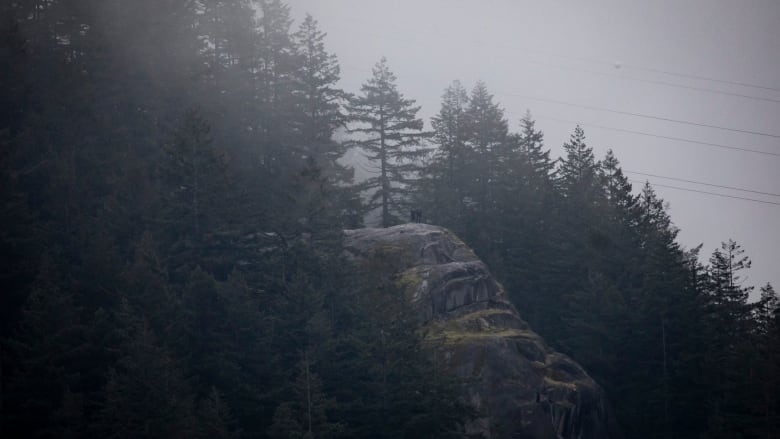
(416, 215)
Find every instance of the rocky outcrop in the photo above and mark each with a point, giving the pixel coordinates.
(521, 387)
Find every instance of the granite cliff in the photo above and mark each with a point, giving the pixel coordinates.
(521, 387)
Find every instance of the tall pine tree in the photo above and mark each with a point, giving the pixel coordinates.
(390, 134)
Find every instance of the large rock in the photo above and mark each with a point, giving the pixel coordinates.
(521, 387)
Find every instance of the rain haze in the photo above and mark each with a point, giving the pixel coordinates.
(682, 92)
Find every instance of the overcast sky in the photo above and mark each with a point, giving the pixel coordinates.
(555, 58)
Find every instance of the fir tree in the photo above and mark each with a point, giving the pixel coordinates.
(195, 197)
(390, 134)
(146, 394)
(578, 171)
(486, 131)
(443, 185)
(320, 104)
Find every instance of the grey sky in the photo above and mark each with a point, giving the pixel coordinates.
(567, 51)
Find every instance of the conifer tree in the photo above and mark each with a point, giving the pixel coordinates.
(768, 376)
(726, 288)
(195, 196)
(727, 360)
(538, 169)
(216, 419)
(194, 177)
(581, 238)
(617, 190)
(443, 185)
(226, 25)
(146, 394)
(487, 131)
(618, 221)
(305, 415)
(274, 67)
(578, 171)
(386, 385)
(527, 203)
(319, 103)
(44, 348)
(390, 133)
(450, 131)
(767, 307)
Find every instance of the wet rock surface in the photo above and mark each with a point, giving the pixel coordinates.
(521, 386)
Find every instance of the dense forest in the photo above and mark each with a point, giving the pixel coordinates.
(173, 193)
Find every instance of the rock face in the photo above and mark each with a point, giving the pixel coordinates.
(521, 387)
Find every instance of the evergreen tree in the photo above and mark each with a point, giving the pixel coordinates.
(195, 196)
(767, 307)
(274, 66)
(44, 384)
(581, 239)
(618, 192)
(319, 102)
(442, 186)
(150, 293)
(726, 287)
(487, 131)
(619, 219)
(146, 394)
(194, 177)
(390, 134)
(727, 359)
(531, 147)
(305, 416)
(383, 382)
(487, 145)
(525, 221)
(578, 171)
(226, 26)
(216, 418)
(767, 377)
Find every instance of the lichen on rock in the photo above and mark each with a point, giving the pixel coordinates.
(521, 386)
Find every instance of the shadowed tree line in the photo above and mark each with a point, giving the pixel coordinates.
(597, 271)
(172, 206)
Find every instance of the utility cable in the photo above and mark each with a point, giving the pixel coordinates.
(647, 116)
(702, 183)
(702, 78)
(653, 81)
(628, 113)
(708, 193)
(659, 136)
(613, 64)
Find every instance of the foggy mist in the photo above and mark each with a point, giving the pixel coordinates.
(562, 60)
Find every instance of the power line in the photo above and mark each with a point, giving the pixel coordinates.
(647, 116)
(612, 63)
(708, 193)
(652, 81)
(702, 183)
(683, 140)
(638, 67)
(659, 136)
(703, 78)
(641, 133)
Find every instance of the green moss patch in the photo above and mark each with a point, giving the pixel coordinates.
(457, 337)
